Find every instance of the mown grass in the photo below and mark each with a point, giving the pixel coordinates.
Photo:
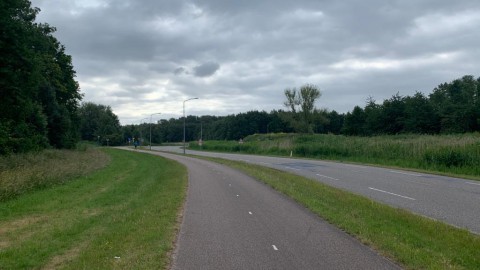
(413, 241)
(121, 217)
(22, 173)
(449, 154)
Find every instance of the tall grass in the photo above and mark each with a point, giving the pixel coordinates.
(23, 173)
(452, 154)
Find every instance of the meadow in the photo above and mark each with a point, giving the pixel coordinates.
(457, 155)
(92, 209)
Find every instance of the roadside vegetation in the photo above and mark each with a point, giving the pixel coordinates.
(413, 241)
(123, 216)
(448, 154)
(22, 173)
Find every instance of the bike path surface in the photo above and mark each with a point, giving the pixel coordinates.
(232, 221)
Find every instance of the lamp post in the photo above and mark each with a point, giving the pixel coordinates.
(151, 129)
(140, 129)
(184, 122)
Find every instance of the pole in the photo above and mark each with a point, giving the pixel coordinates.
(184, 123)
(151, 129)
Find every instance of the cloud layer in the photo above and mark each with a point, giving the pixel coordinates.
(144, 57)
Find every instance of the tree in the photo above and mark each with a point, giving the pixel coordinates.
(457, 104)
(393, 114)
(302, 105)
(420, 116)
(37, 86)
(354, 122)
(98, 122)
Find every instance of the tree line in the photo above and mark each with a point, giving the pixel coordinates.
(39, 95)
(452, 107)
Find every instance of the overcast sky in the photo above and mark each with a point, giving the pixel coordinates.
(144, 57)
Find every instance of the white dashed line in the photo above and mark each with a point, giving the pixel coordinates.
(328, 177)
(477, 184)
(274, 247)
(291, 168)
(392, 193)
(411, 174)
(250, 213)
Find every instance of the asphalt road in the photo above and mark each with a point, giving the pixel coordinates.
(232, 221)
(452, 200)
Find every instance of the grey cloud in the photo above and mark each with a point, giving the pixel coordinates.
(179, 71)
(263, 47)
(206, 69)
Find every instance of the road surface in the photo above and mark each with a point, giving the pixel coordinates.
(232, 221)
(451, 200)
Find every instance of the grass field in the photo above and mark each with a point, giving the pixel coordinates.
(123, 216)
(413, 241)
(448, 154)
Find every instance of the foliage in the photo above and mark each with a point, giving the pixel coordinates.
(98, 123)
(451, 108)
(37, 86)
(450, 154)
(302, 106)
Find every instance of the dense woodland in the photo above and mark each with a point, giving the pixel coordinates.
(40, 103)
(39, 95)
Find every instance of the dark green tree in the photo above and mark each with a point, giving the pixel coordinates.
(420, 116)
(354, 122)
(37, 86)
(302, 104)
(457, 105)
(99, 123)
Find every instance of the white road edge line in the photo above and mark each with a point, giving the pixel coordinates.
(391, 193)
(328, 177)
(274, 247)
(477, 184)
(411, 174)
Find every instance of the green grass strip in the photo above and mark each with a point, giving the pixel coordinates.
(121, 217)
(413, 241)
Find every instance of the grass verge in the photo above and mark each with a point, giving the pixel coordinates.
(121, 217)
(23, 173)
(413, 241)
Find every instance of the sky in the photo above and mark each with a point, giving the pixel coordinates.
(147, 57)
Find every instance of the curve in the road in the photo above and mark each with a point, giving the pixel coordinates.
(452, 200)
(232, 221)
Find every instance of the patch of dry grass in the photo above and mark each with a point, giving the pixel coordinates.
(26, 172)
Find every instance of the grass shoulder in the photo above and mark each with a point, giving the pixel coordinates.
(452, 155)
(413, 241)
(123, 216)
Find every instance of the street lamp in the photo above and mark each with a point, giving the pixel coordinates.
(184, 122)
(151, 129)
(140, 129)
